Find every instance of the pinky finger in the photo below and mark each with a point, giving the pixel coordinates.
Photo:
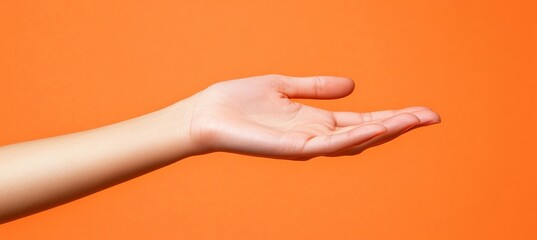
(330, 144)
(396, 126)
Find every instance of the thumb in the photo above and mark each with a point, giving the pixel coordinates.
(316, 87)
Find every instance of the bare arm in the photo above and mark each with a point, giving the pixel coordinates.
(254, 116)
(40, 174)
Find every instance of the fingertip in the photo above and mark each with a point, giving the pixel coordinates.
(436, 119)
(409, 118)
(343, 85)
(427, 116)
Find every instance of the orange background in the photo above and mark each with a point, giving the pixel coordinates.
(67, 66)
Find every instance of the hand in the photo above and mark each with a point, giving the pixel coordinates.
(256, 116)
(249, 116)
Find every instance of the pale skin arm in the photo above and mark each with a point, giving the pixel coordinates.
(253, 116)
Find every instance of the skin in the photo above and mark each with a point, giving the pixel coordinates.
(253, 116)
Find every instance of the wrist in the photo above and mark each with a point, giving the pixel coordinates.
(177, 122)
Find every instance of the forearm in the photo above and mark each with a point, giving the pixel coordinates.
(40, 174)
(253, 116)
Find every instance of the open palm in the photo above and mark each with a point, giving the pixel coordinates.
(256, 116)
